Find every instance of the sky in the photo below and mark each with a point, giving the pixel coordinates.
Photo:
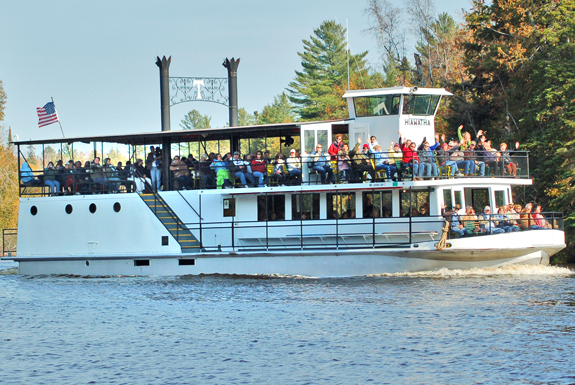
(97, 59)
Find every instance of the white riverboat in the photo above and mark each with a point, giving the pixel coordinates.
(374, 226)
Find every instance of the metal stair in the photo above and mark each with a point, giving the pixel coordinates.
(173, 224)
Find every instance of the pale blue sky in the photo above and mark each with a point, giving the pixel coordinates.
(97, 59)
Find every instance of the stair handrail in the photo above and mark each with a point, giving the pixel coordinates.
(189, 204)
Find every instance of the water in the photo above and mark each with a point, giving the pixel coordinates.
(512, 325)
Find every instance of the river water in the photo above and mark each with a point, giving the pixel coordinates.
(512, 325)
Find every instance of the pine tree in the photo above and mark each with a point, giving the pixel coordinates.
(324, 63)
(280, 111)
(195, 120)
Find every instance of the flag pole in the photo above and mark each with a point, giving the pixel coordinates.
(61, 129)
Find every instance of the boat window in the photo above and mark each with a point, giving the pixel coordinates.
(414, 203)
(499, 198)
(447, 202)
(340, 205)
(420, 104)
(459, 199)
(305, 206)
(309, 141)
(479, 199)
(377, 204)
(271, 208)
(377, 105)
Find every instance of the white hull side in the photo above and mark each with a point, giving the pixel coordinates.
(464, 254)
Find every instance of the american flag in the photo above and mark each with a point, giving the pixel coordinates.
(47, 114)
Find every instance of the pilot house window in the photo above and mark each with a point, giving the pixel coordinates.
(414, 203)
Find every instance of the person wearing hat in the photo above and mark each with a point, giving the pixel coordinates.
(488, 222)
(293, 163)
(240, 168)
(360, 162)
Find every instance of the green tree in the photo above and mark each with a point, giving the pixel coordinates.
(519, 56)
(280, 111)
(195, 120)
(3, 98)
(245, 118)
(324, 63)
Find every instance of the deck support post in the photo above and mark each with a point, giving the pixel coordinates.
(232, 67)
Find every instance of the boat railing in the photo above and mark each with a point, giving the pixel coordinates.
(308, 170)
(9, 242)
(340, 233)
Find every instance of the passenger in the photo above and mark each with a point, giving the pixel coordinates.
(60, 171)
(471, 221)
(205, 172)
(68, 178)
(471, 155)
(372, 143)
(150, 159)
(456, 225)
(539, 219)
(336, 147)
(489, 222)
(382, 162)
(294, 166)
(181, 173)
(259, 168)
(367, 208)
(526, 221)
(241, 170)
(427, 162)
(97, 175)
(50, 178)
(126, 175)
(360, 161)
(510, 166)
(464, 139)
(140, 177)
(458, 157)
(156, 171)
(343, 164)
(410, 159)
(222, 172)
(110, 176)
(27, 175)
(504, 221)
(279, 171)
(491, 158)
(321, 165)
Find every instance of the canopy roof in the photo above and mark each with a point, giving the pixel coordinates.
(395, 91)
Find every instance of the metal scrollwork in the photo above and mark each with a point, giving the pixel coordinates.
(199, 89)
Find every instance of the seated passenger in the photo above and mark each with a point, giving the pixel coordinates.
(321, 165)
(343, 163)
(382, 162)
(505, 158)
(27, 175)
(360, 162)
(456, 225)
(471, 155)
(50, 178)
(427, 162)
(222, 172)
(140, 177)
(505, 222)
(336, 147)
(205, 172)
(471, 221)
(259, 168)
(294, 166)
(279, 171)
(410, 159)
(241, 170)
(489, 223)
(181, 173)
(111, 176)
(526, 220)
(540, 221)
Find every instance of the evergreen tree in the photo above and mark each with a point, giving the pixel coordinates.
(280, 111)
(324, 63)
(195, 120)
(245, 118)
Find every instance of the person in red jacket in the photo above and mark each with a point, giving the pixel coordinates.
(410, 158)
(336, 147)
(259, 169)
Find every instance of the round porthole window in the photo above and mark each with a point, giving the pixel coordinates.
(69, 209)
(93, 208)
(33, 210)
(117, 207)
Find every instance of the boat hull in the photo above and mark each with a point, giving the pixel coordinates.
(465, 253)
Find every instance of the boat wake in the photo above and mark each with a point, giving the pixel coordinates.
(9, 271)
(510, 270)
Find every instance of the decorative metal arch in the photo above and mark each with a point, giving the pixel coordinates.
(199, 89)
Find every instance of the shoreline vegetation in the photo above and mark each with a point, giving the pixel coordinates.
(509, 65)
